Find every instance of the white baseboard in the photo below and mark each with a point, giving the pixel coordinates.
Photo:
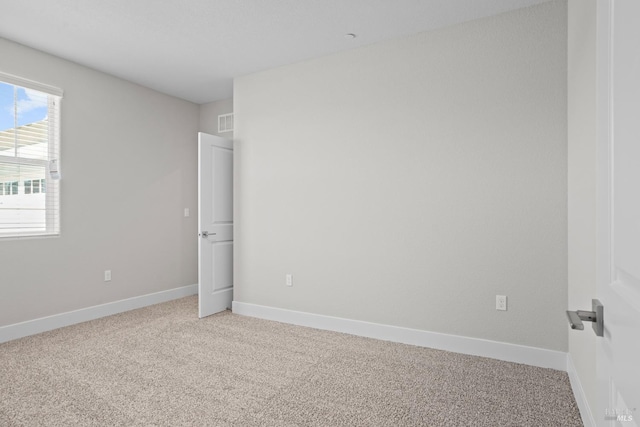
(43, 324)
(473, 346)
(578, 392)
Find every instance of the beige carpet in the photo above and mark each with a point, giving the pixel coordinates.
(161, 366)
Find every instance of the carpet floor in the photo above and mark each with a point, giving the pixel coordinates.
(162, 366)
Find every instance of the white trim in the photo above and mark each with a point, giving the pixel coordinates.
(43, 324)
(31, 84)
(578, 392)
(459, 344)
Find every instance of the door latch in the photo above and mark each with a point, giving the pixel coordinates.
(596, 316)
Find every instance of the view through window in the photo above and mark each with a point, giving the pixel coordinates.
(29, 158)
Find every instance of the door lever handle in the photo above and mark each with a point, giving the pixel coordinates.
(596, 316)
(206, 234)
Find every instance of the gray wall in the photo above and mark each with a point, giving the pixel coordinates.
(582, 183)
(129, 169)
(409, 182)
(209, 116)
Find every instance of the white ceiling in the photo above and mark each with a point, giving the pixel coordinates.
(193, 49)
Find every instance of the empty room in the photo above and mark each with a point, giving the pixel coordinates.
(319, 213)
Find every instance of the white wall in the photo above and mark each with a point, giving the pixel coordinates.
(409, 182)
(129, 169)
(582, 183)
(209, 116)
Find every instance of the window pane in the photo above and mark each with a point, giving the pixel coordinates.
(7, 119)
(21, 212)
(32, 131)
(27, 187)
(24, 127)
(31, 106)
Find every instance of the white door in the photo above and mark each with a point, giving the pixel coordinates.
(618, 352)
(215, 222)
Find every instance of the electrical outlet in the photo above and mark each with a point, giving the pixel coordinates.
(107, 275)
(289, 280)
(186, 212)
(501, 302)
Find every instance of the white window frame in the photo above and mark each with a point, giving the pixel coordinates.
(52, 174)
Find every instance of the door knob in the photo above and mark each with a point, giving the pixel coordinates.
(596, 316)
(206, 234)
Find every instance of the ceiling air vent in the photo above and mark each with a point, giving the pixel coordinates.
(225, 123)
